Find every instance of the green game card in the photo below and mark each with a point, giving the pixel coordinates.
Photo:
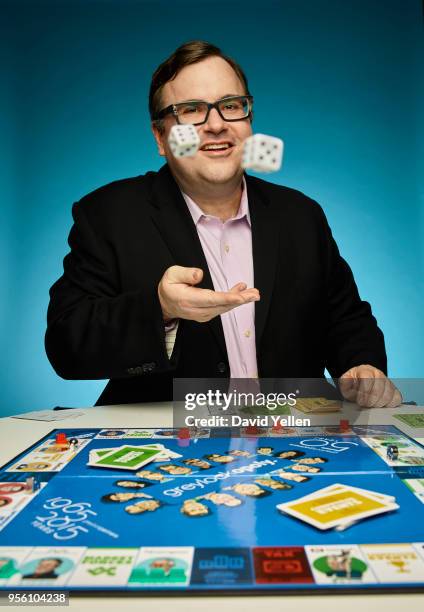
(128, 457)
(413, 420)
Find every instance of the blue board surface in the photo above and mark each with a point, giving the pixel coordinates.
(222, 545)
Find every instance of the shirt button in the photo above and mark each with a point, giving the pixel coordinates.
(222, 366)
(247, 333)
(227, 248)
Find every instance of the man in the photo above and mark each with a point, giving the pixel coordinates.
(122, 497)
(148, 505)
(45, 569)
(201, 271)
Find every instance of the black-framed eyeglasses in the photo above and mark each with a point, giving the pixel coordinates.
(196, 112)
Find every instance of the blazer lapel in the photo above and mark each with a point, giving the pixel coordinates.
(265, 228)
(172, 218)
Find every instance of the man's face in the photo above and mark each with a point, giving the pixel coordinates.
(13, 487)
(46, 566)
(224, 498)
(208, 80)
(204, 465)
(287, 454)
(248, 489)
(149, 505)
(150, 475)
(222, 458)
(165, 564)
(175, 470)
(122, 497)
(131, 484)
(193, 508)
(300, 467)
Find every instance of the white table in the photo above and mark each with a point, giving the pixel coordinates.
(17, 434)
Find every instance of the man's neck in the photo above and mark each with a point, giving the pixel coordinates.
(223, 205)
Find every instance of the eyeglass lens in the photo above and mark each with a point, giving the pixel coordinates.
(230, 109)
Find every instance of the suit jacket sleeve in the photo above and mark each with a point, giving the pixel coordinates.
(353, 337)
(94, 331)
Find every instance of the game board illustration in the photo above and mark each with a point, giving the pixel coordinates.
(162, 509)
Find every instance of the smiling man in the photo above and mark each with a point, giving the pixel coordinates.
(200, 270)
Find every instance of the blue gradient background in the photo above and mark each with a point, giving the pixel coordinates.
(341, 81)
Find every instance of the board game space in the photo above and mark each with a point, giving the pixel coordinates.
(298, 509)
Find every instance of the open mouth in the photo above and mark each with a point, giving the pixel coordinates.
(217, 149)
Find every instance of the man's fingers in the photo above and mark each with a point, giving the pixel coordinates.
(202, 315)
(369, 387)
(206, 314)
(382, 392)
(366, 395)
(180, 274)
(387, 394)
(239, 287)
(205, 298)
(348, 387)
(179, 297)
(396, 399)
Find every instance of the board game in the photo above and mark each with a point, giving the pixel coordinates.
(265, 510)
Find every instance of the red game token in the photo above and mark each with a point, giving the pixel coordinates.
(344, 425)
(183, 437)
(252, 430)
(61, 438)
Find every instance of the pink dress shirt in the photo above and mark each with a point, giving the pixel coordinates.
(228, 250)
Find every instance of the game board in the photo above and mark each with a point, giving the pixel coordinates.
(220, 515)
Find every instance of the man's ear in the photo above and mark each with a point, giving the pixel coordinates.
(159, 134)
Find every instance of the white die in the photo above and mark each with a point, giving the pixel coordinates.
(183, 140)
(262, 153)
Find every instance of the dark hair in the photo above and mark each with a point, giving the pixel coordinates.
(188, 53)
(58, 561)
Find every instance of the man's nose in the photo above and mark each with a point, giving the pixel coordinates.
(215, 122)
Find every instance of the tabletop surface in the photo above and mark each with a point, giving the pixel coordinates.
(17, 434)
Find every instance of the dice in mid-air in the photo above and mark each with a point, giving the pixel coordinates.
(184, 140)
(262, 153)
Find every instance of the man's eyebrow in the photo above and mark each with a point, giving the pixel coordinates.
(231, 95)
(228, 95)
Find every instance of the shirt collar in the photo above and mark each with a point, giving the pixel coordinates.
(243, 211)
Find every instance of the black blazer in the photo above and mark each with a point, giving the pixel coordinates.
(104, 316)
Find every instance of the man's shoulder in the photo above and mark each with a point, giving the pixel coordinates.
(278, 195)
(118, 195)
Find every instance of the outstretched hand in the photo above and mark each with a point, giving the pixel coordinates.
(180, 299)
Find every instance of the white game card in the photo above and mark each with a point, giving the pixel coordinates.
(394, 562)
(47, 566)
(11, 558)
(339, 564)
(100, 566)
(162, 566)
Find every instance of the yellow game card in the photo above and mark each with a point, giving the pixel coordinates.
(327, 509)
